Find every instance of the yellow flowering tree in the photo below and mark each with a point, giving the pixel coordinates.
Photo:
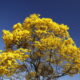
(41, 47)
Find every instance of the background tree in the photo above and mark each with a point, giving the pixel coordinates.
(40, 47)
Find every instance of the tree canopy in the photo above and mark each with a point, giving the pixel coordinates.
(40, 47)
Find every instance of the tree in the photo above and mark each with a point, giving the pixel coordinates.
(40, 47)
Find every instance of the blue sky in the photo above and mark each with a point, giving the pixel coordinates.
(61, 11)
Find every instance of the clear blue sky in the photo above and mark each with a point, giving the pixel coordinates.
(61, 11)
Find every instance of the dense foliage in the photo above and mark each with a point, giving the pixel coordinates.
(41, 47)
